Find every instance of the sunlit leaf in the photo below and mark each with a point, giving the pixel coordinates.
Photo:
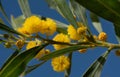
(17, 22)
(103, 8)
(95, 69)
(96, 23)
(24, 6)
(79, 11)
(17, 65)
(62, 51)
(62, 7)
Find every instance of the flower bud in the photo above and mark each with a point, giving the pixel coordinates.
(20, 44)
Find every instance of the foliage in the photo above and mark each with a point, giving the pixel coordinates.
(37, 32)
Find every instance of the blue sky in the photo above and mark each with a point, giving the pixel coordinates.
(80, 62)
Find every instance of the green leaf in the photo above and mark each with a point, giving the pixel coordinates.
(8, 29)
(103, 8)
(61, 27)
(68, 71)
(96, 23)
(3, 12)
(62, 7)
(17, 22)
(10, 58)
(79, 11)
(62, 51)
(24, 6)
(17, 65)
(95, 69)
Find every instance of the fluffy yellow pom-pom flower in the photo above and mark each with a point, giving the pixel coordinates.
(48, 27)
(23, 30)
(60, 63)
(72, 32)
(61, 38)
(102, 36)
(32, 24)
(31, 44)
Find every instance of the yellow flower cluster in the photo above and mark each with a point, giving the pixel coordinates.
(34, 24)
(72, 32)
(76, 34)
(61, 38)
(60, 63)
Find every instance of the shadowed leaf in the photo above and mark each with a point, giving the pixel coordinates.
(103, 8)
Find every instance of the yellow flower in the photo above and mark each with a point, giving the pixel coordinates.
(31, 44)
(60, 63)
(61, 38)
(102, 36)
(48, 27)
(32, 24)
(23, 30)
(81, 30)
(72, 32)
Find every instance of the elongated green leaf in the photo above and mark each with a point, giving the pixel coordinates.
(96, 23)
(62, 51)
(104, 8)
(17, 65)
(8, 29)
(17, 22)
(61, 27)
(24, 6)
(3, 12)
(62, 7)
(79, 11)
(68, 71)
(10, 58)
(95, 69)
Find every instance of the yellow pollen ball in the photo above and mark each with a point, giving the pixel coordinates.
(60, 63)
(48, 27)
(61, 38)
(32, 24)
(23, 30)
(102, 36)
(72, 32)
(31, 44)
